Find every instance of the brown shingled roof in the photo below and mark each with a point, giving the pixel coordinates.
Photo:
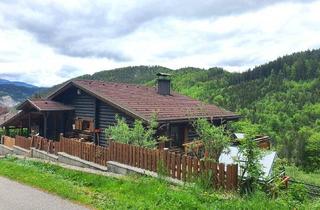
(45, 105)
(8, 116)
(143, 101)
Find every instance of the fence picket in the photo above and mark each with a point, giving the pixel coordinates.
(229, 177)
(195, 165)
(178, 163)
(189, 160)
(154, 160)
(184, 167)
(173, 165)
(214, 174)
(168, 159)
(221, 175)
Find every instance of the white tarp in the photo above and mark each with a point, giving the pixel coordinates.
(267, 160)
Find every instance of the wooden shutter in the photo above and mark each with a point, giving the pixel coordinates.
(91, 126)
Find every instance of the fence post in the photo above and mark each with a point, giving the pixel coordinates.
(201, 170)
(173, 165)
(235, 176)
(189, 161)
(195, 166)
(229, 177)
(213, 167)
(184, 168)
(178, 162)
(111, 151)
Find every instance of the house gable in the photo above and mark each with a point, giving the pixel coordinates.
(87, 106)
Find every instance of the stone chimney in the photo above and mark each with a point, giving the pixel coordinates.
(164, 84)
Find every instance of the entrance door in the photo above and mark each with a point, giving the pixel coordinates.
(177, 135)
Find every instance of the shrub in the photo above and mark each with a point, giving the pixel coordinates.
(250, 156)
(214, 138)
(119, 132)
(137, 135)
(298, 192)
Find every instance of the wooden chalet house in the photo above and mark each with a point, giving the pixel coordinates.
(84, 108)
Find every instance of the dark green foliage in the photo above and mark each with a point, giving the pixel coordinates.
(137, 135)
(131, 74)
(280, 99)
(251, 167)
(214, 138)
(12, 132)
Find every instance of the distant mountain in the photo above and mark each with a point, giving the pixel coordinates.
(16, 83)
(12, 93)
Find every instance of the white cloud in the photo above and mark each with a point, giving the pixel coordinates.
(47, 42)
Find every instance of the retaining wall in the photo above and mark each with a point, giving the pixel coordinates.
(35, 153)
(75, 161)
(21, 151)
(4, 150)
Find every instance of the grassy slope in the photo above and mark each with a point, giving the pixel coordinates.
(130, 193)
(299, 175)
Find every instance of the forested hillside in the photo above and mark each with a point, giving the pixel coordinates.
(131, 74)
(280, 98)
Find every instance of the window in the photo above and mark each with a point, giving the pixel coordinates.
(84, 125)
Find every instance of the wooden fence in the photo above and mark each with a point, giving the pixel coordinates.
(182, 167)
(177, 166)
(85, 151)
(8, 141)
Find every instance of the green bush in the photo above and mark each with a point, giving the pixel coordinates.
(298, 192)
(251, 155)
(137, 135)
(214, 138)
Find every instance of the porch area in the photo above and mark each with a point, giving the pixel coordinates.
(41, 118)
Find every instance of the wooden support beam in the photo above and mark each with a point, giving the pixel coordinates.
(29, 123)
(45, 117)
(186, 134)
(168, 135)
(95, 121)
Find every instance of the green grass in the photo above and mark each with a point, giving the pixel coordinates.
(132, 192)
(302, 176)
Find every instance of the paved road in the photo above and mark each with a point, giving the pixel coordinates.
(14, 195)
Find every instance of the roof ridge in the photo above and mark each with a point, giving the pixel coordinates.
(115, 83)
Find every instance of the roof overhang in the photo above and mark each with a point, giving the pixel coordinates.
(44, 105)
(11, 118)
(210, 118)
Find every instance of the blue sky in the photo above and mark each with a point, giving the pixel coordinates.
(45, 42)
